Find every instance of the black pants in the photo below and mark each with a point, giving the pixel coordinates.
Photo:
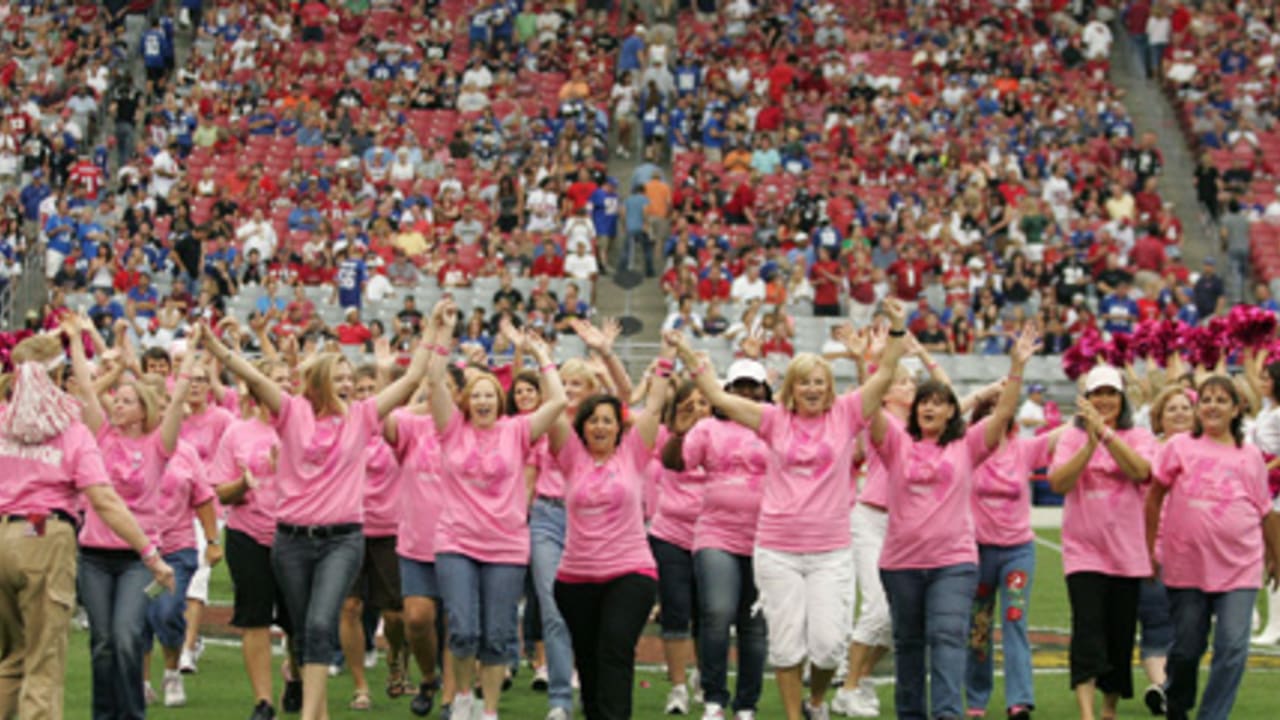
(605, 621)
(1104, 616)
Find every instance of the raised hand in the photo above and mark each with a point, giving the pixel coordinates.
(383, 358)
(1093, 422)
(1025, 345)
(895, 310)
(612, 330)
(513, 336)
(589, 334)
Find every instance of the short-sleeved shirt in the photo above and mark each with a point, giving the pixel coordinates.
(421, 492)
(1002, 491)
(135, 466)
(254, 446)
(183, 488)
(47, 477)
(484, 514)
(321, 472)
(679, 501)
(381, 489)
(737, 464)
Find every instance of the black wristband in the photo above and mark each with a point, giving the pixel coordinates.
(897, 333)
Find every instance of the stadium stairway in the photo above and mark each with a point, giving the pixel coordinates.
(1151, 112)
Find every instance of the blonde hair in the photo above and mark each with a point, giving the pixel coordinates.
(464, 398)
(577, 367)
(317, 383)
(148, 399)
(1157, 406)
(802, 366)
(37, 348)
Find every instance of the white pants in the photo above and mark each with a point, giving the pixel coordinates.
(806, 605)
(873, 627)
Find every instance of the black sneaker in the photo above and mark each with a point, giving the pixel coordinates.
(291, 700)
(263, 711)
(1019, 712)
(1154, 697)
(422, 703)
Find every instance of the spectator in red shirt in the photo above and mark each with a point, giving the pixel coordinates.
(353, 331)
(907, 274)
(781, 77)
(825, 276)
(713, 286)
(1148, 256)
(549, 263)
(454, 274)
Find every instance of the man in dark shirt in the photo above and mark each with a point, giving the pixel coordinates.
(1209, 290)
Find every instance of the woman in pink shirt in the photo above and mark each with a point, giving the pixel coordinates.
(378, 581)
(482, 539)
(607, 578)
(202, 428)
(1215, 532)
(1101, 465)
(244, 474)
(929, 565)
(679, 503)
(412, 433)
(50, 460)
(801, 557)
(1006, 566)
(324, 439)
(736, 463)
(1172, 413)
(137, 442)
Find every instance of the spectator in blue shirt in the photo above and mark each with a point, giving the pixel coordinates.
(156, 52)
(60, 233)
(633, 217)
(305, 218)
(103, 304)
(262, 121)
(34, 194)
(351, 277)
(604, 209)
(143, 297)
(1119, 311)
(629, 55)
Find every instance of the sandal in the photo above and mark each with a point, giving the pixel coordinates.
(361, 701)
(397, 681)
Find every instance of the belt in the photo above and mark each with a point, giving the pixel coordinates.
(62, 515)
(318, 531)
(555, 501)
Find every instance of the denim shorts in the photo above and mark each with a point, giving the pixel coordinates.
(418, 579)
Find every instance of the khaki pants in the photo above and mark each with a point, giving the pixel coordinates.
(37, 597)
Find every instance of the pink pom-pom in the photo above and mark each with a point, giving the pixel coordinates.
(1119, 352)
(1201, 346)
(1083, 354)
(1251, 326)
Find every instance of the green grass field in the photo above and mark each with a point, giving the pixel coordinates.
(220, 690)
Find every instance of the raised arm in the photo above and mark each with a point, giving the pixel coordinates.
(398, 393)
(876, 386)
(107, 503)
(444, 317)
(1026, 345)
(648, 422)
(260, 386)
(171, 423)
(738, 409)
(91, 407)
(931, 366)
(554, 401)
(600, 341)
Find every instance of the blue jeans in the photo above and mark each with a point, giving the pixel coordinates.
(166, 614)
(629, 243)
(728, 592)
(1008, 571)
(480, 600)
(1153, 615)
(930, 612)
(547, 531)
(315, 574)
(113, 591)
(1230, 614)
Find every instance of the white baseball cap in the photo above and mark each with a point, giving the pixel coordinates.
(745, 369)
(1103, 376)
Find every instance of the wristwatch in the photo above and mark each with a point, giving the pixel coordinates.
(214, 541)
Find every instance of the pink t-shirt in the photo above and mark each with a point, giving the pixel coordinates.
(1212, 522)
(421, 490)
(875, 490)
(203, 431)
(679, 500)
(1103, 527)
(485, 502)
(606, 536)
(930, 518)
(1002, 491)
(550, 480)
(806, 506)
(381, 490)
(322, 462)
(230, 401)
(182, 490)
(46, 477)
(135, 466)
(254, 445)
(737, 464)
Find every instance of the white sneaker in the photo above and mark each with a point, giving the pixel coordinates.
(745, 715)
(559, 713)
(678, 701)
(149, 693)
(818, 712)
(463, 708)
(335, 670)
(869, 701)
(371, 659)
(843, 701)
(187, 663)
(713, 711)
(175, 695)
(695, 686)
(197, 652)
(541, 680)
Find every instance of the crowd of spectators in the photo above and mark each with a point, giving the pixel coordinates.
(342, 155)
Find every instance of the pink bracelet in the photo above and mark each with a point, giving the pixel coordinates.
(549, 367)
(150, 551)
(1015, 378)
(698, 370)
(440, 350)
(666, 363)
